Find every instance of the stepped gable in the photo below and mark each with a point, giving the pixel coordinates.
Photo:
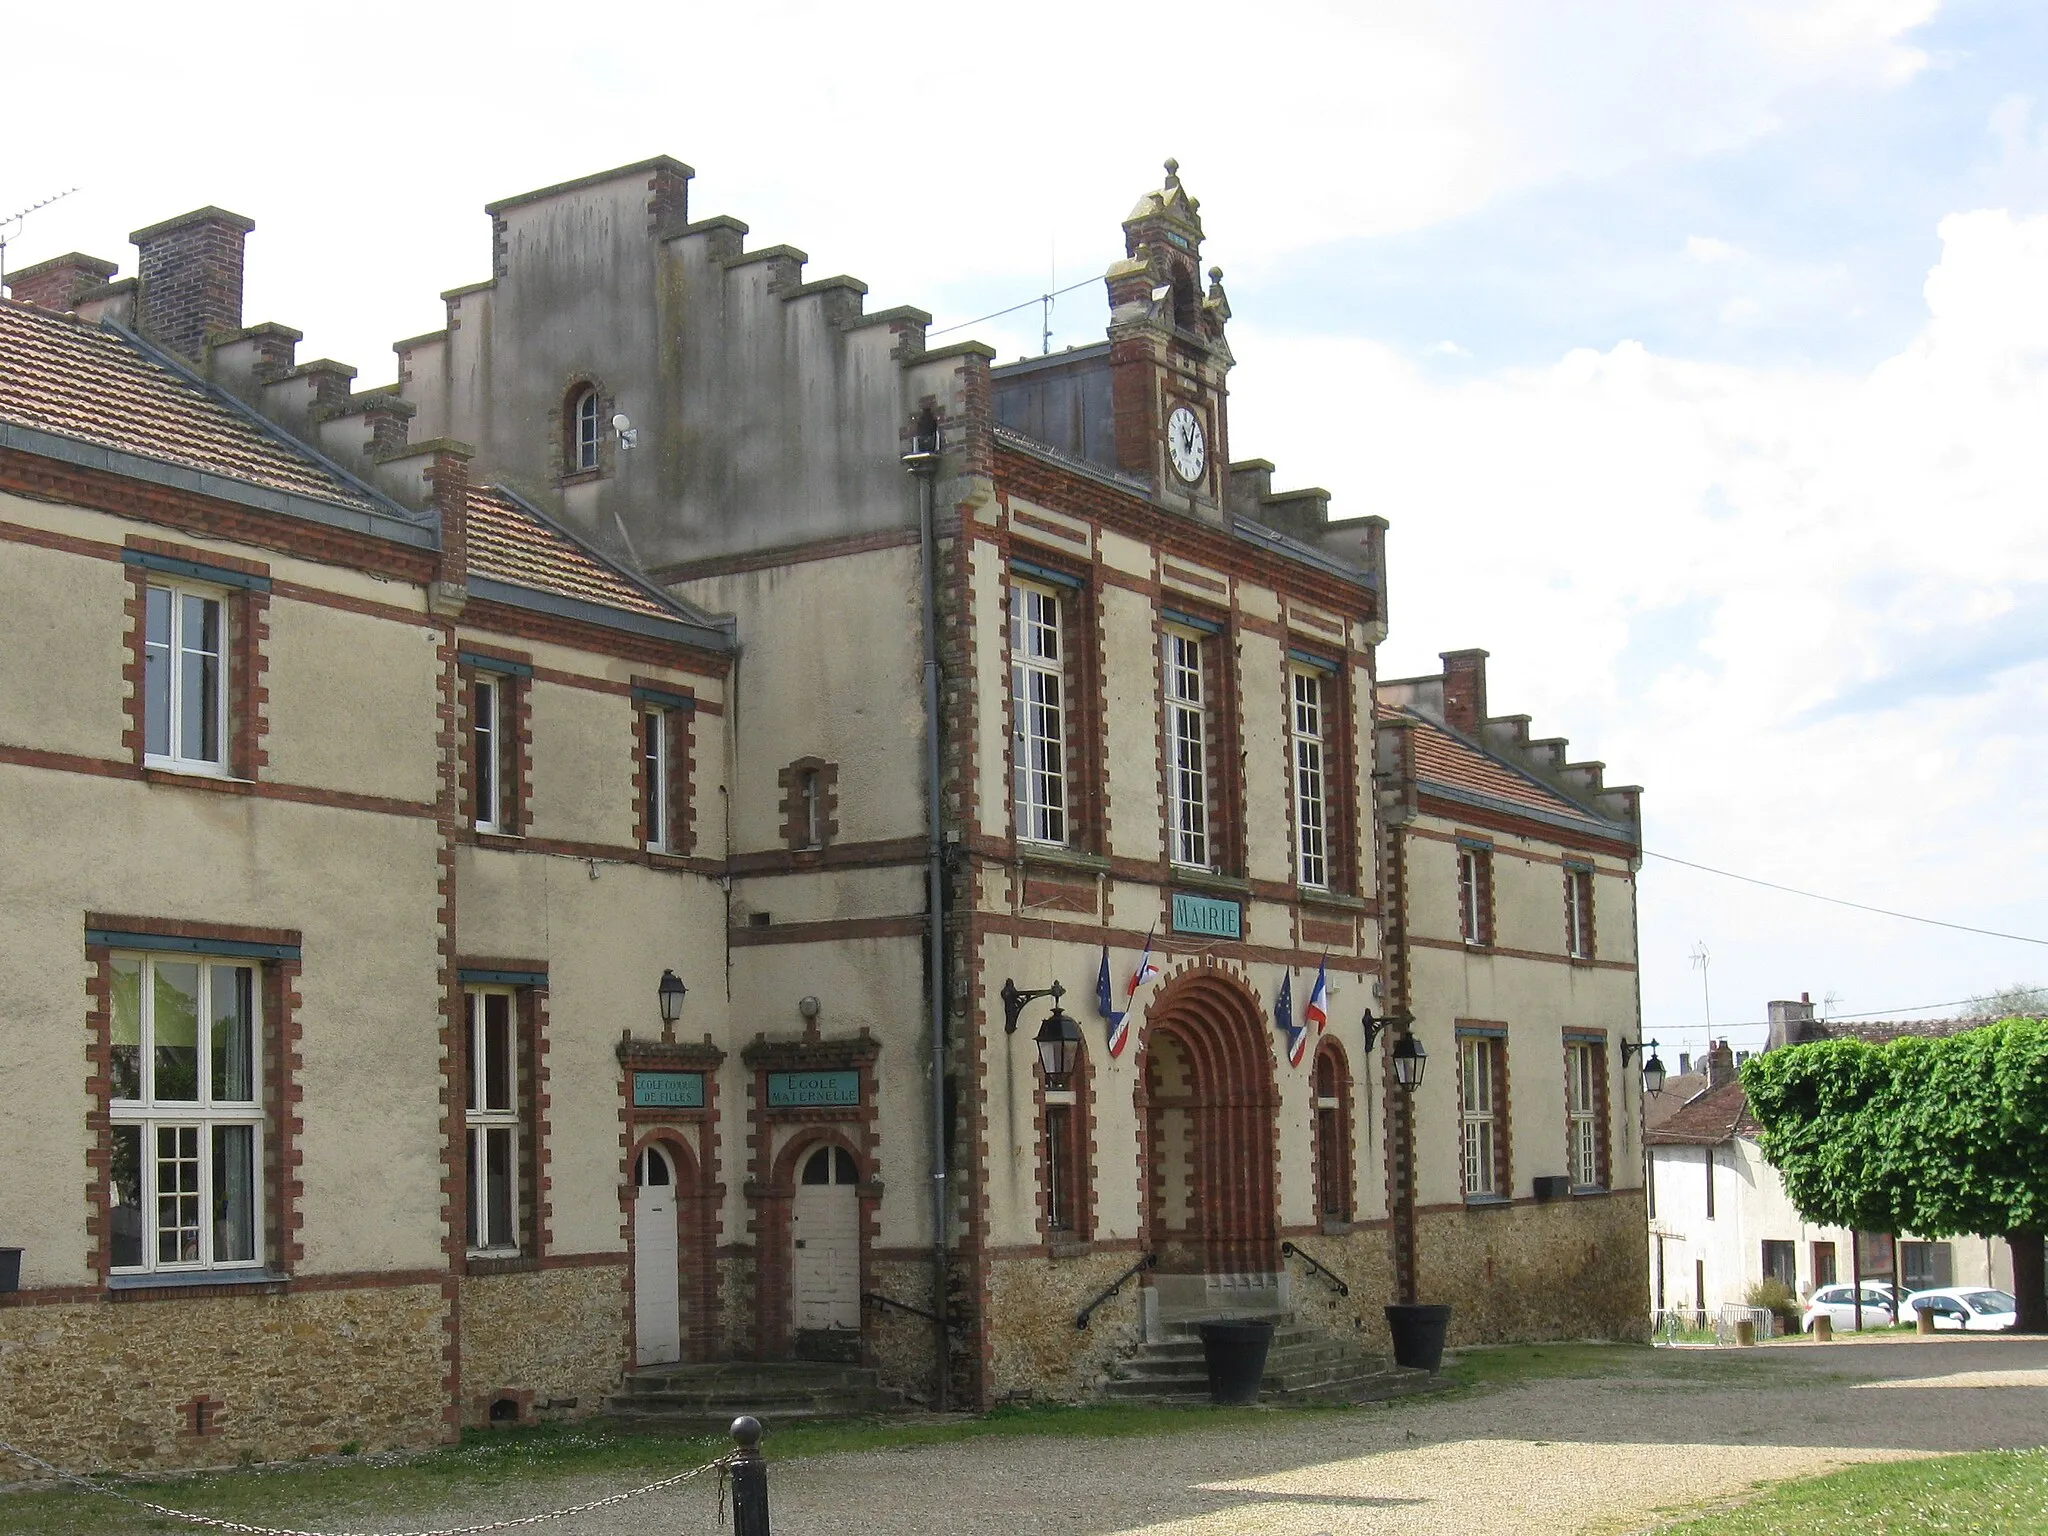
(1444, 758)
(99, 384)
(514, 542)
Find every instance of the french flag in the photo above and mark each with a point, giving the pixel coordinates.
(1146, 970)
(1283, 1020)
(1316, 1010)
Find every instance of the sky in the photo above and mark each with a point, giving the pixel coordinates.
(1697, 353)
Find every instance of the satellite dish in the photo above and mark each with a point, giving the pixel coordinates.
(622, 423)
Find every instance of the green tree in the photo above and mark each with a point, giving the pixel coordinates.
(1939, 1137)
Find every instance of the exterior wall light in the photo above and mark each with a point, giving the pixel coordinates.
(671, 992)
(1014, 999)
(1059, 1046)
(1374, 1028)
(1409, 1060)
(1653, 1069)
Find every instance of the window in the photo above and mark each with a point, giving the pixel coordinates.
(830, 1165)
(491, 1117)
(1066, 1115)
(584, 429)
(1475, 893)
(1187, 763)
(1710, 1181)
(1926, 1266)
(486, 750)
(187, 1122)
(184, 673)
(810, 804)
(1312, 850)
(654, 779)
(1037, 715)
(810, 809)
(1585, 1096)
(1578, 912)
(1333, 1139)
(1483, 1104)
(1781, 1263)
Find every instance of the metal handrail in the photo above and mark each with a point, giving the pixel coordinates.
(1316, 1266)
(883, 1303)
(1149, 1261)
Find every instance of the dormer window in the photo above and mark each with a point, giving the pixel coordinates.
(584, 412)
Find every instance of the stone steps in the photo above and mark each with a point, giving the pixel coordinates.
(1303, 1365)
(707, 1398)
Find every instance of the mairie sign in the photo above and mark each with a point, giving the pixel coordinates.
(805, 1090)
(668, 1090)
(1207, 916)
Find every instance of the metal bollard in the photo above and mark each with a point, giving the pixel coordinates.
(749, 1479)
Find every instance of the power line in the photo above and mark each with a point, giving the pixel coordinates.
(1791, 890)
(1874, 1013)
(1086, 282)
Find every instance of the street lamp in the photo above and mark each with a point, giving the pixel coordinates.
(670, 993)
(1409, 1060)
(1059, 1046)
(1015, 997)
(1653, 1068)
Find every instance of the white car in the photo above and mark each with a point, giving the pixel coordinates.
(1837, 1303)
(1975, 1308)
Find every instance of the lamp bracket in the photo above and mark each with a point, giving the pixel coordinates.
(1635, 1048)
(1374, 1028)
(1014, 999)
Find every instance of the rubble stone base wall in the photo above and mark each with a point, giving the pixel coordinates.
(112, 1385)
(543, 1337)
(1573, 1269)
(1035, 1349)
(1364, 1259)
(899, 1345)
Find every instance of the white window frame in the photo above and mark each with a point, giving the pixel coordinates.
(1479, 1099)
(1578, 911)
(176, 709)
(487, 1125)
(1311, 804)
(1472, 872)
(1582, 1106)
(150, 1117)
(587, 429)
(655, 738)
(1038, 730)
(487, 750)
(1187, 748)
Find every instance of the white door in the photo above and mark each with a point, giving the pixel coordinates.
(657, 1302)
(825, 1225)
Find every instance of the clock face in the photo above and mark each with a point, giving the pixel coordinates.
(1184, 444)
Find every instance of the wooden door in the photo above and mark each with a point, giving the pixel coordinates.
(825, 1229)
(657, 1297)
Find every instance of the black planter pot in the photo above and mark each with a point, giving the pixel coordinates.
(1419, 1335)
(10, 1269)
(1234, 1350)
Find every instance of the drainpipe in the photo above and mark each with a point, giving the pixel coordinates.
(923, 462)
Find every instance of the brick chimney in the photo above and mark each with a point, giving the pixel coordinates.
(1464, 690)
(1720, 1064)
(58, 283)
(190, 272)
(1791, 1023)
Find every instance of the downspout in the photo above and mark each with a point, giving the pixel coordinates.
(923, 462)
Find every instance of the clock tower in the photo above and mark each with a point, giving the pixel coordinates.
(1168, 358)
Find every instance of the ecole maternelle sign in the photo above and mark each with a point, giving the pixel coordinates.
(813, 1090)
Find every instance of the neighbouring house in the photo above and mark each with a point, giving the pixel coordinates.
(1720, 1220)
(1509, 873)
(559, 865)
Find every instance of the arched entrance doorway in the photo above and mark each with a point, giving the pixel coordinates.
(825, 1238)
(657, 1288)
(1208, 1107)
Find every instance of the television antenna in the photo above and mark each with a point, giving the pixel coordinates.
(1700, 961)
(11, 225)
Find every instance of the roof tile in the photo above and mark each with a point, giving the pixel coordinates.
(510, 542)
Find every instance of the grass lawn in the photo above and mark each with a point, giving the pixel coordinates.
(1990, 1491)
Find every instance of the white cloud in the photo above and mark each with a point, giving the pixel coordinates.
(1709, 252)
(1863, 704)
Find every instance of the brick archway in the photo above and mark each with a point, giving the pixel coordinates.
(1209, 1109)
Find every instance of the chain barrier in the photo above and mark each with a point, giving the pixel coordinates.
(721, 1466)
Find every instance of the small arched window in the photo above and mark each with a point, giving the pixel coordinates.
(1333, 1134)
(830, 1165)
(584, 408)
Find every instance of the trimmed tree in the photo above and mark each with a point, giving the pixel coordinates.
(1941, 1137)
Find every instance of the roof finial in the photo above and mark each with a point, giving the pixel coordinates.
(1172, 174)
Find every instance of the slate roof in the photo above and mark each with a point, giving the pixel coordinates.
(95, 384)
(514, 542)
(1443, 757)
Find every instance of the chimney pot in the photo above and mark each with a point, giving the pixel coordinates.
(1464, 690)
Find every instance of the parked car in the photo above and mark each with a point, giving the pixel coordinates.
(1975, 1308)
(1837, 1303)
